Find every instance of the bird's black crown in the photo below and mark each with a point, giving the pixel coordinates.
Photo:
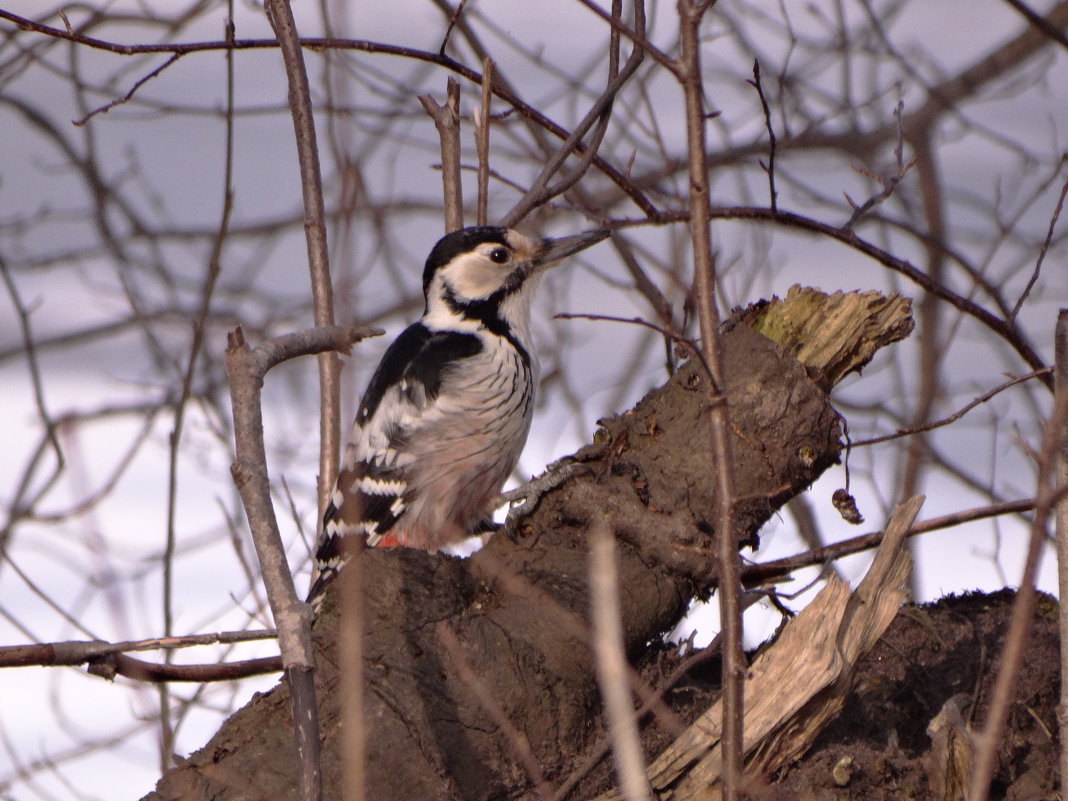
(462, 241)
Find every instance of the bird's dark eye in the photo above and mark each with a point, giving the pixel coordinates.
(499, 255)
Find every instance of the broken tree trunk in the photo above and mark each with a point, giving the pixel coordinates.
(479, 680)
(799, 684)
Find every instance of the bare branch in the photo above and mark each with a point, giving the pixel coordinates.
(727, 559)
(350, 648)
(447, 120)
(528, 111)
(78, 652)
(1043, 24)
(1011, 333)
(482, 129)
(764, 571)
(600, 113)
(311, 184)
(207, 294)
(19, 504)
(637, 35)
(133, 90)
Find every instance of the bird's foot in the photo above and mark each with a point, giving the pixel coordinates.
(523, 500)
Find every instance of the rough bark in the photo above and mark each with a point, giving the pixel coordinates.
(518, 608)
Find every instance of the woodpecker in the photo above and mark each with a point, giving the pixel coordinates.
(446, 413)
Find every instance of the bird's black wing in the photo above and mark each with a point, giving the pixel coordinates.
(368, 497)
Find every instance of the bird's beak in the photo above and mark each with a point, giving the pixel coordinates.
(554, 250)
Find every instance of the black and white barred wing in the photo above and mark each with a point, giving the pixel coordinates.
(374, 485)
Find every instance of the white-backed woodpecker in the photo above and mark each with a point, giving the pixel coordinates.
(447, 412)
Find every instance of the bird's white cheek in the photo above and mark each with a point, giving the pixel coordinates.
(475, 280)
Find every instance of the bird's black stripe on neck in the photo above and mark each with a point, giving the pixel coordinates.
(488, 312)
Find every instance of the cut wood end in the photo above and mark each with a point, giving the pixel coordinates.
(795, 321)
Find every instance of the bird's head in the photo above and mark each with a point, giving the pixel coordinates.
(481, 269)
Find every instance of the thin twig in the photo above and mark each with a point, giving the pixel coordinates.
(599, 115)
(90, 500)
(18, 506)
(1041, 254)
(1040, 22)
(889, 184)
(138, 670)
(1007, 330)
(635, 35)
(1015, 337)
(351, 675)
(280, 15)
(133, 89)
(766, 571)
(452, 24)
(78, 652)
(632, 191)
(728, 562)
(957, 415)
(200, 322)
(932, 332)
(598, 753)
(642, 282)
(685, 342)
(769, 168)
